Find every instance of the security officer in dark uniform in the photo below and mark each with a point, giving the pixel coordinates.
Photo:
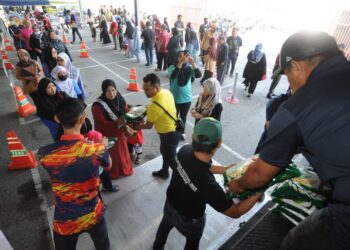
(316, 121)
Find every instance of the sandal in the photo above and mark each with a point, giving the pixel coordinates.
(138, 159)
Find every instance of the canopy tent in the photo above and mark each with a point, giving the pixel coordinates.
(24, 2)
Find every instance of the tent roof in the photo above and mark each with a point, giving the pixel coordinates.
(24, 2)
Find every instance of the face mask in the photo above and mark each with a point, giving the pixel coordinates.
(37, 33)
(63, 78)
(13, 22)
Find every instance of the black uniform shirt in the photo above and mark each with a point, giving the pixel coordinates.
(192, 186)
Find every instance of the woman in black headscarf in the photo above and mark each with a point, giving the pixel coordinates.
(48, 99)
(107, 112)
(104, 31)
(50, 55)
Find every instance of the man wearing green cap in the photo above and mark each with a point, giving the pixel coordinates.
(192, 186)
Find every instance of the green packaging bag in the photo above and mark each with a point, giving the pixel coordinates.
(238, 170)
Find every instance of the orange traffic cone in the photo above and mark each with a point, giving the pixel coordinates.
(133, 86)
(7, 64)
(6, 40)
(21, 158)
(24, 107)
(8, 45)
(65, 38)
(83, 52)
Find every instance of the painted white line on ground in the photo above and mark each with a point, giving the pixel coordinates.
(122, 66)
(224, 146)
(103, 66)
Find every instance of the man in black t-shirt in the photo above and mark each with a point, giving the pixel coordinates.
(180, 26)
(192, 186)
(316, 121)
(234, 43)
(149, 37)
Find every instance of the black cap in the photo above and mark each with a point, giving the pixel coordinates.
(303, 45)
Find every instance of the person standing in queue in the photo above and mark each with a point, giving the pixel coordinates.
(316, 121)
(158, 115)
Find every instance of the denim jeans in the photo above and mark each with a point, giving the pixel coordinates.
(192, 229)
(168, 145)
(149, 55)
(98, 233)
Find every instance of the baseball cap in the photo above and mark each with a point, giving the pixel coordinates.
(207, 131)
(305, 44)
(70, 109)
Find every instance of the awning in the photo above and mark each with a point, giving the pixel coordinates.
(24, 2)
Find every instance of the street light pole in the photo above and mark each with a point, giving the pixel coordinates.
(81, 13)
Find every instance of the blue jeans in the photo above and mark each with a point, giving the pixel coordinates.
(168, 145)
(149, 55)
(192, 229)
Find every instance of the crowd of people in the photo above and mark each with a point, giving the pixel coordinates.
(312, 119)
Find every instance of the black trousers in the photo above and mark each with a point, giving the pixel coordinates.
(106, 180)
(220, 73)
(75, 30)
(161, 57)
(251, 85)
(98, 233)
(273, 85)
(121, 42)
(182, 110)
(168, 145)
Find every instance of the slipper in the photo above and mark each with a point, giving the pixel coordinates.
(138, 159)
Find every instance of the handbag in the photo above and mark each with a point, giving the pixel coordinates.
(180, 126)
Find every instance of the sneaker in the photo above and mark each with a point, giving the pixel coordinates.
(72, 42)
(268, 96)
(183, 137)
(147, 64)
(231, 75)
(113, 189)
(249, 95)
(161, 174)
(157, 69)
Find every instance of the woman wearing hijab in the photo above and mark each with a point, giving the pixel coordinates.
(210, 60)
(25, 34)
(192, 44)
(181, 78)
(29, 72)
(209, 103)
(64, 83)
(104, 31)
(129, 34)
(73, 72)
(107, 112)
(48, 99)
(255, 69)
(50, 58)
(173, 47)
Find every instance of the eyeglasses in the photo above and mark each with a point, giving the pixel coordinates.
(148, 89)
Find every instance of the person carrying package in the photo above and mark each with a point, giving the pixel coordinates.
(316, 121)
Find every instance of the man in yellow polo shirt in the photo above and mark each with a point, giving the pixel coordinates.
(161, 100)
